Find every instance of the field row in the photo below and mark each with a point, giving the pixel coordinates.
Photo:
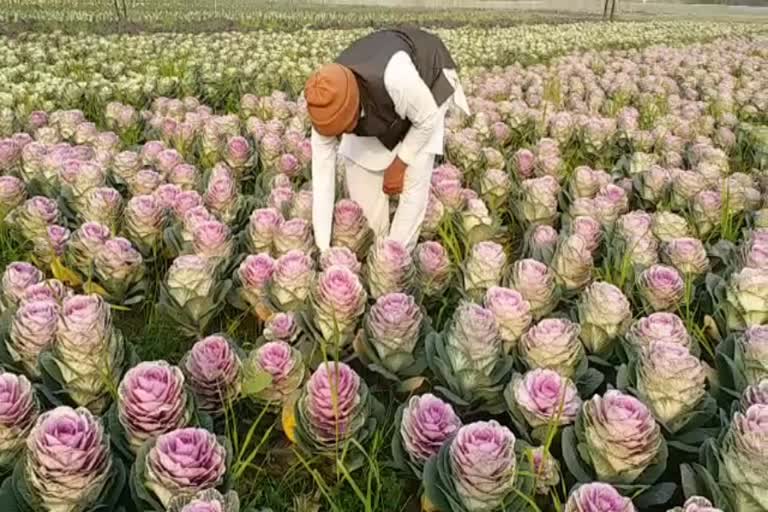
(212, 15)
(48, 71)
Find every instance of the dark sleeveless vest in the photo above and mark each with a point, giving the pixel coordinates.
(368, 58)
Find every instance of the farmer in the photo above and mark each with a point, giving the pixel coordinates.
(386, 97)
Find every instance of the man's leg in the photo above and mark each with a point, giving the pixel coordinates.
(412, 207)
(365, 188)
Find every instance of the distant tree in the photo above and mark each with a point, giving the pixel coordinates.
(121, 9)
(605, 9)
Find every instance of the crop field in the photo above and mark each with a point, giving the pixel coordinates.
(107, 16)
(214, 15)
(582, 326)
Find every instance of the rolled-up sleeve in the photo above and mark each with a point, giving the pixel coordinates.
(323, 187)
(413, 101)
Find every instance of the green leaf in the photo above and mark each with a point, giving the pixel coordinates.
(172, 241)
(654, 471)
(411, 385)
(737, 380)
(439, 347)
(573, 461)
(430, 350)
(656, 495)
(398, 452)
(6, 359)
(622, 377)
(451, 396)
(501, 370)
(581, 367)
(716, 286)
(599, 361)
(705, 411)
(25, 500)
(589, 381)
(583, 451)
(541, 433)
(117, 434)
(728, 369)
(64, 274)
(136, 299)
(519, 424)
(142, 498)
(683, 447)
(7, 497)
(93, 288)
(697, 481)
(433, 485)
(697, 436)
(228, 480)
(255, 382)
(509, 398)
(234, 299)
(381, 370)
(203, 420)
(114, 489)
(724, 250)
(417, 367)
(689, 481)
(361, 347)
(709, 456)
(52, 388)
(446, 479)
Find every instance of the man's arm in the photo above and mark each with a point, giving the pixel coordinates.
(323, 187)
(413, 101)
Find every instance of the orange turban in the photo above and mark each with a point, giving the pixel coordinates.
(333, 99)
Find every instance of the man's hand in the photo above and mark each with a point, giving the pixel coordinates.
(394, 177)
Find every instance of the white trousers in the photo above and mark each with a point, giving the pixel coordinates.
(366, 188)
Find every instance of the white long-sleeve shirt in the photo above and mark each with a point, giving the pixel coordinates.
(413, 100)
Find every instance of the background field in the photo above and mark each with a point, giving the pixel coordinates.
(211, 15)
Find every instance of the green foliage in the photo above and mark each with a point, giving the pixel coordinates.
(17, 496)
